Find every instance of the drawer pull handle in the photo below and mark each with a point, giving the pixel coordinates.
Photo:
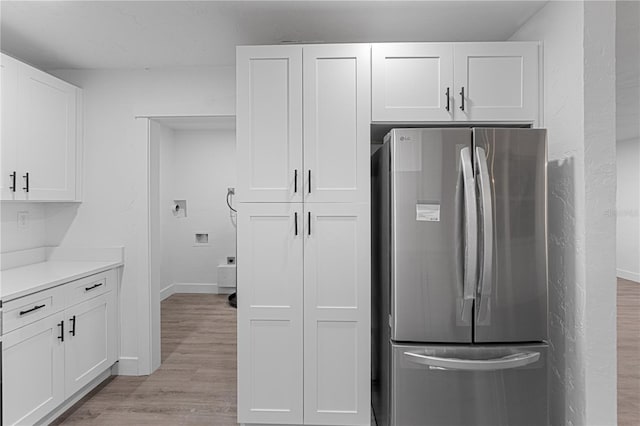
(92, 287)
(73, 325)
(61, 325)
(35, 308)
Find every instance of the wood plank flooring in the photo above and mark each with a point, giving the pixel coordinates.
(196, 383)
(628, 353)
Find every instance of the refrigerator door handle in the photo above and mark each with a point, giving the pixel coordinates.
(486, 211)
(470, 232)
(503, 363)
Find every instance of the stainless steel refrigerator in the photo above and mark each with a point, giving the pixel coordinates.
(459, 220)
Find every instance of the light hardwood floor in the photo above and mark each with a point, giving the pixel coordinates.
(628, 353)
(196, 383)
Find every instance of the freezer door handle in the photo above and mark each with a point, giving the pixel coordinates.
(503, 363)
(470, 232)
(486, 212)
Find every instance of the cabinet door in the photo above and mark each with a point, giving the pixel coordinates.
(337, 111)
(90, 341)
(500, 81)
(412, 82)
(269, 123)
(270, 313)
(48, 135)
(33, 371)
(337, 318)
(9, 97)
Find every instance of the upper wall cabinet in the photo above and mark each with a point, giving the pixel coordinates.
(496, 81)
(327, 159)
(269, 123)
(455, 81)
(40, 135)
(412, 81)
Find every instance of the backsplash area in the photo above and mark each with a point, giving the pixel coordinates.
(23, 226)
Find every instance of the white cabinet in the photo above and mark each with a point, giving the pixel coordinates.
(337, 271)
(42, 142)
(46, 360)
(33, 371)
(269, 123)
(322, 253)
(270, 355)
(499, 81)
(8, 126)
(90, 346)
(337, 109)
(304, 255)
(327, 159)
(412, 82)
(496, 82)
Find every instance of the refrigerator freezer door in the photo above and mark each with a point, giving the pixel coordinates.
(479, 385)
(511, 305)
(427, 235)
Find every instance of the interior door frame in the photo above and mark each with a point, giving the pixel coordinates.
(149, 332)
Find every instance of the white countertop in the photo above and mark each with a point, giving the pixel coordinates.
(25, 280)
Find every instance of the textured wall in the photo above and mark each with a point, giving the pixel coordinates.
(579, 108)
(600, 199)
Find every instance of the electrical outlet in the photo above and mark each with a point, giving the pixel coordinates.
(23, 220)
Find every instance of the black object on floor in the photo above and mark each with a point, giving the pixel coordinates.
(233, 300)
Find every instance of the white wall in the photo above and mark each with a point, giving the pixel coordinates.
(628, 139)
(16, 237)
(115, 206)
(578, 113)
(197, 166)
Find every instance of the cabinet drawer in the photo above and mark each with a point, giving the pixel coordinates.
(87, 288)
(26, 310)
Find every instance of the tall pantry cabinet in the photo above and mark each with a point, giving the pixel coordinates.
(303, 117)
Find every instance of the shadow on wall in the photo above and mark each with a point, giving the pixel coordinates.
(60, 216)
(564, 291)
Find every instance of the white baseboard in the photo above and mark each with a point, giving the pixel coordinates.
(628, 275)
(75, 398)
(127, 366)
(166, 292)
(198, 288)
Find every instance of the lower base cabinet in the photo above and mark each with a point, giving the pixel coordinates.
(304, 313)
(33, 371)
(47, 361)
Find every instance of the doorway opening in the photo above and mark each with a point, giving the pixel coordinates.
(192, 176)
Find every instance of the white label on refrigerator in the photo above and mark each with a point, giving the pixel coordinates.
(428, 212)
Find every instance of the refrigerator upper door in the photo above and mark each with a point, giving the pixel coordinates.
(510, 168)
(427, 235)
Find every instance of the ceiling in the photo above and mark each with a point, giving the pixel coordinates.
(155, 34)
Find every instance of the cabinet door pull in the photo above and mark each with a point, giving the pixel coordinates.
(35, 308)
(26, 181)
(61, 325)
(448, 107)
(12, 188)
(309, 180)
(309, 221)
(92, 287)
(462, 98)
(295, 181)
(296, 223)
(73, 325)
